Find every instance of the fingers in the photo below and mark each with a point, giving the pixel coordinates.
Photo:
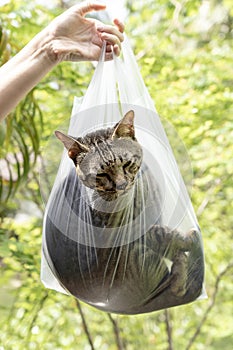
(111, 31)
(119, 25)
(113, 42)
(113, 36)
(109, 49)
(116, 50)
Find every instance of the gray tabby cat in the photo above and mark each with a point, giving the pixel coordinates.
(158, 268)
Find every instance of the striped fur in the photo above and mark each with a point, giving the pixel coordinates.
(161, 267)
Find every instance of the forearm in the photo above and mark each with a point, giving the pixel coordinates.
(70, 37)
(19, 75)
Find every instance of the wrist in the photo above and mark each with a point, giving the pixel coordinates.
(42, 48)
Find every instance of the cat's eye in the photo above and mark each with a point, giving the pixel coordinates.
(130, 167)
(134, 167)
(127, 165)
(101, 177)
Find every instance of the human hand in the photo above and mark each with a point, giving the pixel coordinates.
(76, 38)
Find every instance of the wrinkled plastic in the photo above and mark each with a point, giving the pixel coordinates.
(142, 251)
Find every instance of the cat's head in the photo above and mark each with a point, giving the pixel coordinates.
(106, 160)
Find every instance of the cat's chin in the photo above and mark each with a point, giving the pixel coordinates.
(110, 195)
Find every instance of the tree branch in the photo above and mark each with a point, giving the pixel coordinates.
(119, 342)
(85, 327)
(210, 192)
(168, 329)
(211, 305)
(175, 23)
(33, 321)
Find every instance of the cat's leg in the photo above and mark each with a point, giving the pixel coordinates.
(184, 256)
(181, 254)
(176, 280)
(179, 274)
(174, 249)
(167, 241)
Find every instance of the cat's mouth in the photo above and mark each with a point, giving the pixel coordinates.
(111, 194)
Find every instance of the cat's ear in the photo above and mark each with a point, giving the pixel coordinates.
(73, 146)
(125, 128)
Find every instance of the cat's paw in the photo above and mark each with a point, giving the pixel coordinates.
(191, 238)
(179, 274)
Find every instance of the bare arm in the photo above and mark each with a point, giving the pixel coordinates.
(71, 37)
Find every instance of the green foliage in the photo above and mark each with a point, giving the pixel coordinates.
(21, 148)
(185, 58)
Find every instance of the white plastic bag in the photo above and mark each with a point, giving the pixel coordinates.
(141, 251)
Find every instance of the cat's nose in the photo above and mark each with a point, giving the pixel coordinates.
(120, 186)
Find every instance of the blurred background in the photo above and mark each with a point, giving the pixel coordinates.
(184, 49)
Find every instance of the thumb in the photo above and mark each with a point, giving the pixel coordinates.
(89, 6)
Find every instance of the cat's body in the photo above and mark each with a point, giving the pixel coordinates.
(131, 263)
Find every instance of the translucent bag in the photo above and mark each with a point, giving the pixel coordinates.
(132, 252)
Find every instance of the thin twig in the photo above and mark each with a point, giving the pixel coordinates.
(119, 342)
(33, 321)
(85, 327)
(175, 23)
(209, 193)
(168, 329)
(211, 305)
